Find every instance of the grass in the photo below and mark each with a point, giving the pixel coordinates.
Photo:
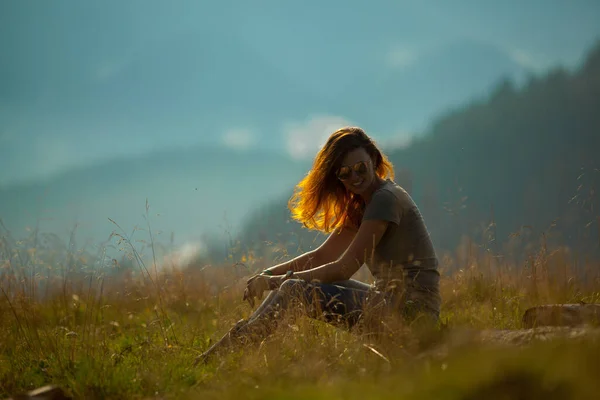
(99, 330)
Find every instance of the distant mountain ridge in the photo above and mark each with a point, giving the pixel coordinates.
(196, 191)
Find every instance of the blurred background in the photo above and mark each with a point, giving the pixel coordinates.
(198, 118)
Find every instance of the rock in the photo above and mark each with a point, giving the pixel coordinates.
(561, 315)
(467, 338)
(520, 337)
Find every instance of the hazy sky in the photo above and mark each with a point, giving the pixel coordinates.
(85, 81)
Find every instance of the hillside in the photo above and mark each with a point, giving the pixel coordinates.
(502, 170)
(192, 193)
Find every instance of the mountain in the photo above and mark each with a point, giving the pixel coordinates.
(507, 171)
(191, 192)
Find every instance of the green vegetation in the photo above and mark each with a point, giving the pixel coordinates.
(114, 332)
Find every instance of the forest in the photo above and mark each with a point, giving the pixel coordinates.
(507, 172)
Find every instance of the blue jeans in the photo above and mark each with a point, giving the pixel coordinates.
(338, 302)
(344, 302)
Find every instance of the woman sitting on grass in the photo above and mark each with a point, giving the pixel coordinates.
(350, 193)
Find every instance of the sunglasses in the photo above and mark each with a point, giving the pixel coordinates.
(345, 172)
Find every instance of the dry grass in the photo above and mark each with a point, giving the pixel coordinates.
(100, 330)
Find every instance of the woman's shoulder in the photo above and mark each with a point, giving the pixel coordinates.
(393, 190)
(389, 186)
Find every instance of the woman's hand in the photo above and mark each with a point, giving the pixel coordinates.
(256, 285)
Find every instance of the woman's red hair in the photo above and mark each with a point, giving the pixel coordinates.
(320, 201)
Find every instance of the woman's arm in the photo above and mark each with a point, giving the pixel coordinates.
(360, 250)
(325, 267)
(333, 247)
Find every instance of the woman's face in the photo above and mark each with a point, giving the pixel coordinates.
(356, 172)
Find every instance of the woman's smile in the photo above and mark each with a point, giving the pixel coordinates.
(358, 183)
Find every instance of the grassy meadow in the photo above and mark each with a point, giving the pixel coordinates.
(99, 330)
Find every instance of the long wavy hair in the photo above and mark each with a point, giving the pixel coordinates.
(320, 201)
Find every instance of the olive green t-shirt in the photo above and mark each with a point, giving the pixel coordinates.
(405, 258)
